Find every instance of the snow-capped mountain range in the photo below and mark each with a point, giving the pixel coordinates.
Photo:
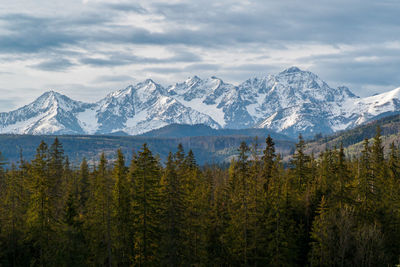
(291, 102)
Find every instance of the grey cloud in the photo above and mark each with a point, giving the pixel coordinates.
(12, 101)
(373, 67)
(57, 64)
(225, 25)
(163, 70)
(31, 34)
(6, 73)
(124, 58)
(265, 68)
(100, 62)
(113, 78)
(203, 66)
(267, 22)
(8, 104)
(127, 7)
(188, 70)
(270, 21)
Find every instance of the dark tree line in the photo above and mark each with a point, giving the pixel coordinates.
(320, 211)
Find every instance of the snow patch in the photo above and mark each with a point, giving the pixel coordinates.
(88, 121)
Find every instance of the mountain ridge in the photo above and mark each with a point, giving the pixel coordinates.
(291, 102)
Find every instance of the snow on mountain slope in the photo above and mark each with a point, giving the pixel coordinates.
(367, 108)
(50, 113)
(295, 101)
(88, 121)
(208, 96)
(291, 102)
(142, 108)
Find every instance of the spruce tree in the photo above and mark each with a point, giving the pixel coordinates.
(196, 196)
(378, 168)
(74, 243)
(99, 216)
(366, 184)
(268, 160)
(238, 231)
(279, 228)
(146, 207)
(56, 175)
(83, 186)
(12, 223)
(332, 236)
(173, 219)
(122, 213)
(300, 166)
(42, 211)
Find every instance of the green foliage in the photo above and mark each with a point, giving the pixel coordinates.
(146, 207)
(172, 229)
(122, 215)
(327, 210)
(98, 220)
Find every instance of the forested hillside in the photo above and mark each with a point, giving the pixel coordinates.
(208, 149)
(322, 210)
(352, 139)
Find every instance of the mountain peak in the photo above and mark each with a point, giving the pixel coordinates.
(291, 102)
(50, 93)
(53, 99)
(193, 80)
(149, 81)
(50, 97)
(292, 69)
(347, 91)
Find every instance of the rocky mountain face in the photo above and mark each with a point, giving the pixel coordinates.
(51, 113)
(291, 102)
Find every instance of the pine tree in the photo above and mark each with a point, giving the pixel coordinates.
(389, 202)
(329, 211)
(239, 209)
(180, 156)
(122, 213)
(83, 186)
(366, 183)
(300, 166)
(279, 233)
(394, 163)
(42, 210)
(196, 196)
(377, 154)
(173, 216)
(255, 204)
(74, 243)
(341, 186)
(56, 175)
(146, 207)
(269, 161)
(303, 176)
(12, 223)
(332, 236)
(218, 217)
(99, 217)
(378, 168)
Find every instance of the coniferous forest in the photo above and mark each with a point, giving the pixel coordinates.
(316, 210)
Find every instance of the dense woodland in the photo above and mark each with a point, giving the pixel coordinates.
(317, 210)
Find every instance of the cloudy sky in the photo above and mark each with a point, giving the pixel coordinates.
(88, 48)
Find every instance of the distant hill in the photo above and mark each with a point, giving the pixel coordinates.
(207, 149)
(208, 144)
(185, 130)
(352, 139)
